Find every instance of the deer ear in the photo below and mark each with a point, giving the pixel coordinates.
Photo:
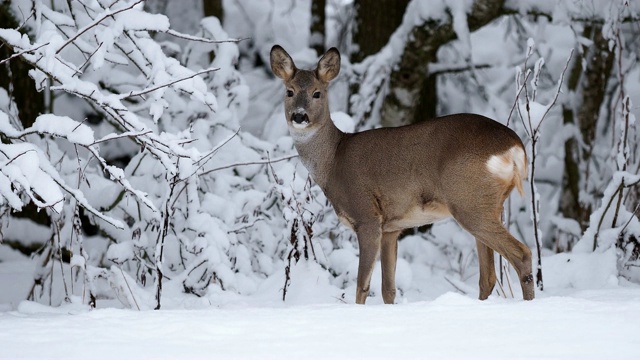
(329, 65)
(281, 63)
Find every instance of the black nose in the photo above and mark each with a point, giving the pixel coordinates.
(299, 118)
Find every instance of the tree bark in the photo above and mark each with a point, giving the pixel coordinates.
(213, 8)
(15, 73)
(376, 20)
(590, 87)
(15, 79)
(318, 18)
(412, 93)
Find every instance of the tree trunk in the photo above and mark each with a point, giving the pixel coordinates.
(376, 20)
(213, 8)
(15, 73)
(318, 33)
(590, 87)
(412, 93)
(14, 78)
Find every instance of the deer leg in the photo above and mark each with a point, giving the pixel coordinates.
(388, 258)
(369, 238)
(516, 253)
(493, 234)
(487, 270)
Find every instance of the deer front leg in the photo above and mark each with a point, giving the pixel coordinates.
(369, 237)
(389, 258)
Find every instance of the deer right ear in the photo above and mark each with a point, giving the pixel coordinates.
(281, 63)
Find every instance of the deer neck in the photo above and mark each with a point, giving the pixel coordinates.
(317, 149)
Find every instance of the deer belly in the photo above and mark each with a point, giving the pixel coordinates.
(417, 216)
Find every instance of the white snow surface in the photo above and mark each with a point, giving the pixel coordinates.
(592, 324)
(586, 312)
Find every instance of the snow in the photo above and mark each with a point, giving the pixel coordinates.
(586, 325)
(74, 131)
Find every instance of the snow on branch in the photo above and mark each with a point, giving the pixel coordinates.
(107, 14)
(201, 39)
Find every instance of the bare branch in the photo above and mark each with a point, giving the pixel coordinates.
(129, 134)
(152, 89)
(260, 162)
(18, 54)
(518, 97)
(439, 68)
(122, 180)
(558, 90)
(79, 196)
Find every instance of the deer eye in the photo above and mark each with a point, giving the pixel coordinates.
(316, 95)
(289, 93)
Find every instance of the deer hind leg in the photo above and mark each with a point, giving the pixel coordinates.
(389, 258)
(487, 270)
(369, 238)
(516, 253)
(493, 234)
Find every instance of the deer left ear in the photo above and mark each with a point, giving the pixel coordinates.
(329, 65)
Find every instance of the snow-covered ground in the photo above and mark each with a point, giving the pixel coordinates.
(586, 313)
(596, 324)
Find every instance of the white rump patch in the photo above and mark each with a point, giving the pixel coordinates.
(505, 164)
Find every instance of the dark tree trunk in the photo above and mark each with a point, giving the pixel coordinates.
(590, 87)
(213, 8)
(376, 20)
(14, 78)
(318, 18)
(28, 100)
(411, 77)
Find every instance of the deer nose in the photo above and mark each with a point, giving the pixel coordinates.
(299, 118)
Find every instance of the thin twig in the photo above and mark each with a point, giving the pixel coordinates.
(129, 287)
(152, 89)
(518, 97)
(18, 54)
(259, 162)
(558, 90)
(454, 285)
(128, 134)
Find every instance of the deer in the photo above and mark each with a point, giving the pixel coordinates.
(385, 180)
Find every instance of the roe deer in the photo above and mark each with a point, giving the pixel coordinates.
(385, 180)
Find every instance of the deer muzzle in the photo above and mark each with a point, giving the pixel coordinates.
(299, 118)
